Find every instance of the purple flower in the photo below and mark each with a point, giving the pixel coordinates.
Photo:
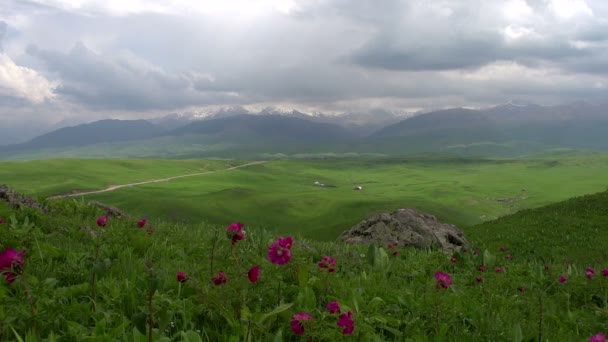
(444, 280)
(479, 279)
(605, 272)
(220, 279)
(562, 279)
(600, 337)
(182, 277)
(254, 274)
(453, 260)
(142, 223)
(589, 272)
(235, 232)
(296, 322)
(498, 270)
(346, 321)
(333, 307)
(279, 252)
(11, 264)
(328, 263)
(521, 288)
(102, 220)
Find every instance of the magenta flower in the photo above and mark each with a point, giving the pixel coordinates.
(346, 321)
(509, 257)
(254, 274)
(182, 277)
(142, 223)
(296, 322)
(562, 279)
(235, 232)
(601, 337)
(395, 253)
(11, 264)
(101, 221)
(333, 307)
(328, 263)
(389, 246)
(589, 272)
(279, 252)
(479, 279)
(521, 288)
(1, 220)
(220, 279)
(503, 249)
(453, 260)
(605, 272)
(498, 270)
(444, 280)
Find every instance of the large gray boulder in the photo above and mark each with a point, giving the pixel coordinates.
(407, 227)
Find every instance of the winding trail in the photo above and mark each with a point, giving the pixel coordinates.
(115, 187)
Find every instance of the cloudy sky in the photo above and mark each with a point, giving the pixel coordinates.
(84, 59)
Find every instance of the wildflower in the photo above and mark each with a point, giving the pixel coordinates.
(329, 263)
(11, 264)
(142, 223)
(483, 268)
(279, 251)
(498, 270)
(101, 221)
(296, 322)
(333, 307)
(503, 248)
(562, 279)
(443, 279)
(220, 279)
(254, 274)
(605, 272)
(521, 288)
(476, 251)
(395, 253)
(182, 277)
(589, 272)
(479, 279)
(346, 321)
(1, 220)
(389, 246)
(601, 337)
(453, 260)
(235, 232)
(509, 257)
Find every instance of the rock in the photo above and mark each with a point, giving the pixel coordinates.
(17, 200)
(407, 227)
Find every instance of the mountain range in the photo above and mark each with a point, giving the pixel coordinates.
(506, 130)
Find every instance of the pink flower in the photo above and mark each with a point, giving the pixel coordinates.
(389, 246)
(142, 223)
(601, 337)
(296, 322)
(254, 274)
(503, 249)
(101, 221)
(1, 220)
(329, 263)
(605, 272)
(443, 279)
(479, 279)
(182, 277)
(279, 251)
(235, 232)
(498, 270)
(220, 279)
(509, 257)
(346, 321)
(483, 268)
(521, 288)
(11, 264)
(589, 272)
(333, 307)
(562, 279)
(395, 253)
(453, 260)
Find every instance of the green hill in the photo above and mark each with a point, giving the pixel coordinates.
(575, 230)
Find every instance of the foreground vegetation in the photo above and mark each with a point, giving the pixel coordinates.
(281, 196)
(84, 277)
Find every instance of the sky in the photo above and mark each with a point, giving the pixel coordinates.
(78, 60)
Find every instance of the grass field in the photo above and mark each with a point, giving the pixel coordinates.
(281, 196)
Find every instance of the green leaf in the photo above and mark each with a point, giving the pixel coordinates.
(190, 336)
(276, 311)
(302, 275)
(488, 258)
(306, 299)
(371, 254)
(278, 337)
(517, 333)
(139, 321)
